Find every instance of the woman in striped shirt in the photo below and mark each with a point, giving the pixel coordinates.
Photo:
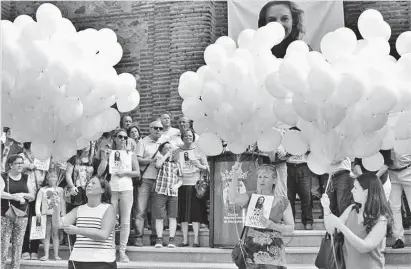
(93, 224)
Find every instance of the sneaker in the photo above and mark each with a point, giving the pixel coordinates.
(159, 243)
(34, 256)
(123, 257)
(398, 244)
(171, 243)
(308, 226)
(25, 256)
(139, 242)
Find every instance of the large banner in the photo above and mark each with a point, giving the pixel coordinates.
(318, 18)
(227, 219)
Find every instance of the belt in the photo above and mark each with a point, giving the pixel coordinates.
(401, 169)
(339, 173)
(296, 165)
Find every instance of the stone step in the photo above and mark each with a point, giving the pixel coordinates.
(295, 255)
(166, 265)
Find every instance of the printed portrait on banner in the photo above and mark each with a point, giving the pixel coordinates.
(306, 20)
(119, 161)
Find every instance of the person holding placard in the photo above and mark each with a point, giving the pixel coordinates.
(190, 208)
(43, 208)
(119, 170)
(35, 170)
(263, 245)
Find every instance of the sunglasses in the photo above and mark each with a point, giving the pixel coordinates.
(18, 163)
(157, 128)
(122, 137)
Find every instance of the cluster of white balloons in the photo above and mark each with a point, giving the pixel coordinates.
(350, 100)
(58, 85)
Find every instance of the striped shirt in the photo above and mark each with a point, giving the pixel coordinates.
(87, 249)
(167, 177)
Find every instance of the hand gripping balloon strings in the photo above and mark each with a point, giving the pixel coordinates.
(330, 174)
(51, 193)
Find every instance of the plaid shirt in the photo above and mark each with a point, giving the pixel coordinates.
(167, 177)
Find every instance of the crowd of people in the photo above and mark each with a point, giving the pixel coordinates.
(154, 189)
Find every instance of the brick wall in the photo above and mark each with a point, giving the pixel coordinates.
(163, 39)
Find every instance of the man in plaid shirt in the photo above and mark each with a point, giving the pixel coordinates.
(166, 194)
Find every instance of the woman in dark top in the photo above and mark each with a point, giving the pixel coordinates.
(290, 16)
(16, 193)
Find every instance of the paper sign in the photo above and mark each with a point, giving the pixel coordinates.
(42, 165)
(259, 206)
(185, 160)
(119, 161)
(38, 229)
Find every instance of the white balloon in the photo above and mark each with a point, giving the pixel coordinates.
(22, 21)
(48, 13)
(317, 164)
(403, 43)
(215, 56)
(41, 151)
(129, 103)
(70, 110)
(374, 162)
(294, 143)
(107, 35)
(402, 146)
(192, 108)
(274, 86)
(189, 85)
(245, 38)
(212, 93)
(227, 43)
(210, 144)
(269, 140)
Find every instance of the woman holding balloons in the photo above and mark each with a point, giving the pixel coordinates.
(364, 224)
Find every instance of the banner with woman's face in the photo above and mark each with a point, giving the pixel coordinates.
(310, 19)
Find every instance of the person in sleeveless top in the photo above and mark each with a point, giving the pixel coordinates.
(264, 248)
(16, 193)
(93, 224)
(364, 224)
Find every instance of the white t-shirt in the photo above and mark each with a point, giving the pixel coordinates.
(146, 149)
(123, 183)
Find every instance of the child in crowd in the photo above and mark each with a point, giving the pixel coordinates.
(43, 208)
(166, 194)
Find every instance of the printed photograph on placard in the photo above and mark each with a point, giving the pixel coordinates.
(259, 206)
(185, 160)
(42, 165)
(119, 161)
(303, 20)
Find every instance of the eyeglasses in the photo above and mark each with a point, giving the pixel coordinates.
(122, 137)
(20, 163)
(157, 128)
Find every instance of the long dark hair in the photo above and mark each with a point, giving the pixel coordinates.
(259, 205)
(106, 195)
(376, 204)
(297, 31)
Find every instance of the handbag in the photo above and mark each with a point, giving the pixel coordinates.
(237, 255)
(202, 186)
(326, 258)
(13, 212)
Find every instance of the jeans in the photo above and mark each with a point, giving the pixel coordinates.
(122, 202)
(13, 229)
(145, 193)
(339, 191)
(299, 181)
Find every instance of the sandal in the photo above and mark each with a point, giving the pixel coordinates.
(57, 258)
(44, 258)
(196, 245)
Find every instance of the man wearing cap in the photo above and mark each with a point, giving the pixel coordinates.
(147, 150)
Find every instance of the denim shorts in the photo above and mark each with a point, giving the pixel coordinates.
(165, 206)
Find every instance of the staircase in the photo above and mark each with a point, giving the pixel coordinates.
(301, 247)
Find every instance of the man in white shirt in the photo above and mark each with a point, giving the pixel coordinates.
(400, 175)
(169, 133)
(147, 150)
